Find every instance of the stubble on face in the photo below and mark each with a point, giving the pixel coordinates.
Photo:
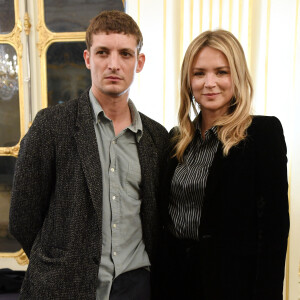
(113, 61)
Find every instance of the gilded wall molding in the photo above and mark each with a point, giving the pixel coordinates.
(20, 256)
(14, 38)
(46, 38)
(27, 24)
(10, 151)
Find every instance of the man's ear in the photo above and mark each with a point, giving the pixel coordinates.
(140, 62)
(86, 56)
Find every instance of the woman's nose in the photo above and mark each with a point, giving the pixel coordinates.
(210, 81)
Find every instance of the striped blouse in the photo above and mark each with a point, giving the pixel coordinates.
(188, 185)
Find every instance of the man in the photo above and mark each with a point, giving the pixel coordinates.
(84, 200)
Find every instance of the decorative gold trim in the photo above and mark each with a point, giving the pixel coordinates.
(139, 24)
(27, 24)
(250, 10)
(14, 39)
(240, 17)
(181, 31)
(220, 13)
(287, 268)
(20, 256)
(267, 53)
(164, 60)
(210, 13)
(230, 15)
(139, 12)
(287, 262)
(46, 38)
(191, 19)
(10, 151)
(295, 44)
(123, 1)
(201, 15)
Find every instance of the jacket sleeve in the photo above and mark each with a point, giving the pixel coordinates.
(33, 183)
(273, 211)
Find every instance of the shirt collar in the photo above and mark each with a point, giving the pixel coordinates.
(213, 130)
(136, 126)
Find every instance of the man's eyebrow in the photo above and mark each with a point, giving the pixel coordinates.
(127, 50)
(120, 50)
(101, 48)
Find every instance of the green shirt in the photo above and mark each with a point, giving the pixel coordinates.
(123, 248)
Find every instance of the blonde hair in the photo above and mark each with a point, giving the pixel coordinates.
(232, 127)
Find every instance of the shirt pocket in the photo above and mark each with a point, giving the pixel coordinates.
(133, 181)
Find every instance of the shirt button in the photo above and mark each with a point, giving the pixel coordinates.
(114, 197)
(113, 142)
(115, 253)
(114, 226)
(112, 169)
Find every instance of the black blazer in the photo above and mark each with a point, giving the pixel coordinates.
(245, 220)
(56, 206)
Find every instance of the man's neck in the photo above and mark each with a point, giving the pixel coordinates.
(116, 109)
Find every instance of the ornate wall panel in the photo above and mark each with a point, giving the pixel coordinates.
(59, 29)
(11, 116)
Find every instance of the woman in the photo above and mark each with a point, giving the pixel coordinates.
(225, 197)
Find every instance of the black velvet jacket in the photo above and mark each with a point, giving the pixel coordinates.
(245, 219)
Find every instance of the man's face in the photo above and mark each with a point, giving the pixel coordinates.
(113, 61)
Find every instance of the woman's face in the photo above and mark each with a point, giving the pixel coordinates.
(211, 81)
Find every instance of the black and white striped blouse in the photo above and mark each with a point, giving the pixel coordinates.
(188, 185)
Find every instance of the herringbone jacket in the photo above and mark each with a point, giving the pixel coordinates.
(56, 207)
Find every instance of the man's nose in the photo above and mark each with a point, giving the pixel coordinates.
(114, 62)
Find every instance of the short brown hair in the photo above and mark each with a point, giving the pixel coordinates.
(113, 21)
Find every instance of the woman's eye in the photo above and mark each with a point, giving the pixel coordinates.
(222, 72)
(198, 73)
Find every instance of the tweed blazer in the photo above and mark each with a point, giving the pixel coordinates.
(245, 219)
(56, 206)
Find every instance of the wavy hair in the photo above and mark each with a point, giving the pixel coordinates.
(232, 127)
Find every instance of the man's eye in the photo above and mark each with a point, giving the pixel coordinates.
(125, 54)
(101, 52)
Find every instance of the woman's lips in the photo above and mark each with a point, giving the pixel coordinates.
(211, 94)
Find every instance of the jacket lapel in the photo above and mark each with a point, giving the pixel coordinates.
(88, 152)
